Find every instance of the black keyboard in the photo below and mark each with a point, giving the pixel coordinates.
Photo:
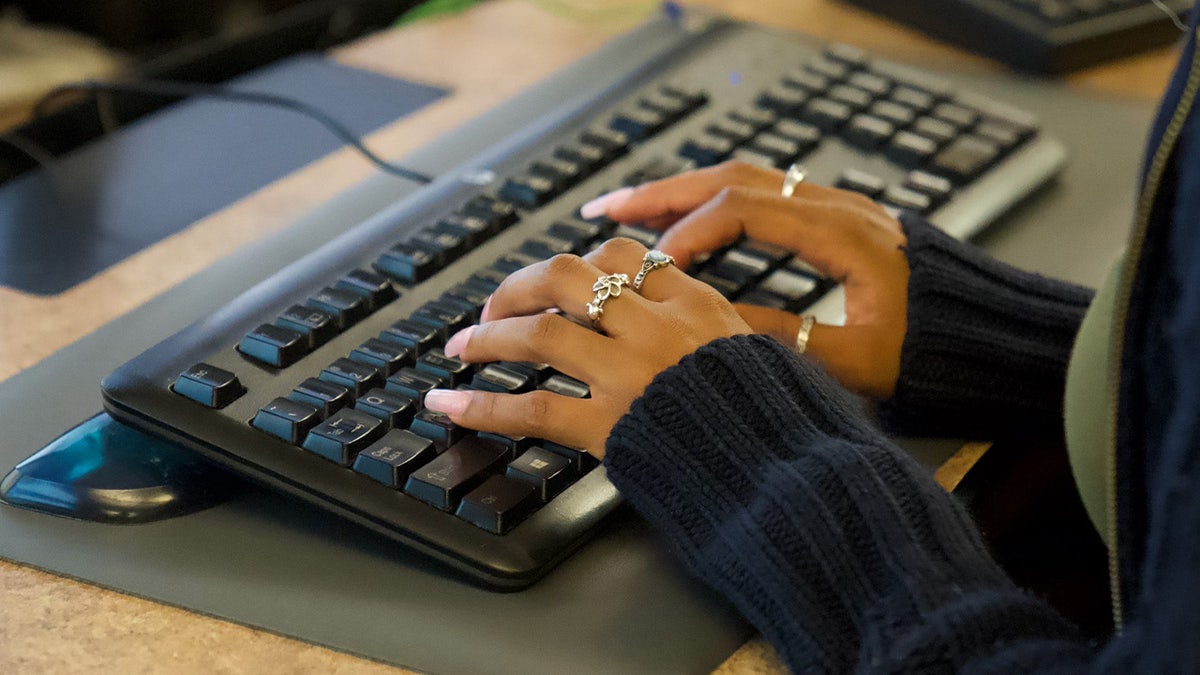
(1041, 36)
(312, 381)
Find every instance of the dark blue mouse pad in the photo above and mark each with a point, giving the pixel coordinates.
(119, 194)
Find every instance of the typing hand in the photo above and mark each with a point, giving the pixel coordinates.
(640, 335)
(843, 235)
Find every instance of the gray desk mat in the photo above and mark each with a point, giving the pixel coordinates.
(620, 605)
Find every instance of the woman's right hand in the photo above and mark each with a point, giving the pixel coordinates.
(844, 235)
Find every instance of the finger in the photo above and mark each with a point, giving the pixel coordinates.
(628, 256)
(539, 338)
(563, 282)
(858, 357)
(778, 324)
(678, 195)
(821, 232)
(537, 414)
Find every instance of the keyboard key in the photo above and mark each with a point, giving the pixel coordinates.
(919, 101)
(848, 55)
(446, 320)
(498, 505)
(579, 233)
(868, 132)
(783, 101)
(286, 419)
(561, 172)
(414, 383)
(707, 150)
(396, 410)
(861, 182)
(736, 131)
(853, 98)
(468, 295)
(392, 458)
(656, 168)
(340, 438)
(730, 288)
(499, 214)
(781, 151)
(581, 462)
(346, 307)
(445, 243)
(960, 116)
(904, 198)
(693, 97)
(807, 80)
(611, 142)
(274, 345)
(547, 472)
(326, 397)
(588, 158)
(940, 131)
(937, 188)
(529, 191)
(899, 115)
(740, 265)
(965, 158)
(545, 246)
(374, 287)
(646, 238)
(566, 386)
(756, 116)
(1005, 136)
(538, 372)
(805, 136)
(443, 481)
(670, 106)
(387, 356)
(450, 369)
(500, 380)
(794, 288)
(825, 114)
(357, 377)
(876, 85)
(514, 444)
(474, 229)
(909, 149)
(316, 326)
(208, 385)
(438, 428)
(639, 123)
(407, 263)
(834, 70)
(417, 336)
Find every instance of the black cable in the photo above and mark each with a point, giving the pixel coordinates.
(173, 89)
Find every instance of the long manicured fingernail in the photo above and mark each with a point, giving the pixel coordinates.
(447, 401)
(605, 203)
(455, 344)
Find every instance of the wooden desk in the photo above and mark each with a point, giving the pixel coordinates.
(51, 624)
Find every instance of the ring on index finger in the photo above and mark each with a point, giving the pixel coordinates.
(606, 286)
(654, 259)
(794, 176)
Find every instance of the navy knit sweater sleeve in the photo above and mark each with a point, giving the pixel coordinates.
(778, 493)
(986, 348)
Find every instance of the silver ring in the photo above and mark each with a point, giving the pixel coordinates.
(794, 176)
(806, 324)
(606, 286)
(653, 260)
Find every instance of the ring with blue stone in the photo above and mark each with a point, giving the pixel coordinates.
(653, 260)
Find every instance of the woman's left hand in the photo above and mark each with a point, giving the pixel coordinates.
(642, 335)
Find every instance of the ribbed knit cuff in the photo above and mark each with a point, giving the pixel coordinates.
(986, 350)
(776, 491)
